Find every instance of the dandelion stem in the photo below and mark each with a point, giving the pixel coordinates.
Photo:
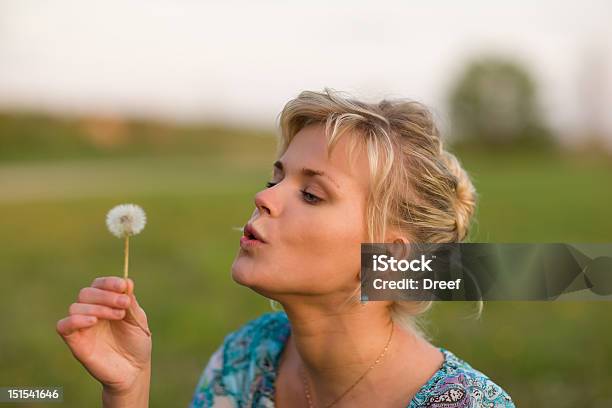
(126, 252)
(125, 276)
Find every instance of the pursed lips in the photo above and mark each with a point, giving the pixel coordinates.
(252, 233)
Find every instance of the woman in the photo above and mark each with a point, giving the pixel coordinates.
(347, 172)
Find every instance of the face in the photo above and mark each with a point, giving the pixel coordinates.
(312, 221)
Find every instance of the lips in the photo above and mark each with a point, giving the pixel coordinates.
(251, 233)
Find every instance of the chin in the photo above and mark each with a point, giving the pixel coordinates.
(239, 273)
(245, 273)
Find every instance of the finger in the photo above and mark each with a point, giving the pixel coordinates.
(103, 312)
(70, 324)
(111, 283)
(103, 297)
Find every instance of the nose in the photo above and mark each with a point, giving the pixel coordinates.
(262, 202)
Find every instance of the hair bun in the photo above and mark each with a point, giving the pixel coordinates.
(465, 203)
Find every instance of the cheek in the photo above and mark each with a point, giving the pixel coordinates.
(327, 245)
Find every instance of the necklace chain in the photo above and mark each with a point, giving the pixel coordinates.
(378, 360)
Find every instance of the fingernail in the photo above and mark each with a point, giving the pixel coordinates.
(124, 300)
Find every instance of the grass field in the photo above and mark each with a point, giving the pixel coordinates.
(53, 242)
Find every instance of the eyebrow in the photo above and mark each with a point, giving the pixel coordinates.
(308, 172)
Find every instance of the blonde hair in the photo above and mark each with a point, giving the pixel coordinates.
(417, 187)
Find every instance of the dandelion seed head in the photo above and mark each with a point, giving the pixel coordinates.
(126, 219)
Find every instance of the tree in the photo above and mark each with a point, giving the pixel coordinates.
(494, 104)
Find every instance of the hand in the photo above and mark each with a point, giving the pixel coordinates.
(104, 336)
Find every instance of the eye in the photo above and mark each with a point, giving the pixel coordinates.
(310, 198)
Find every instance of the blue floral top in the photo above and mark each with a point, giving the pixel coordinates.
(242, 371)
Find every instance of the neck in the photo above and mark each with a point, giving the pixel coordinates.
(336, 348)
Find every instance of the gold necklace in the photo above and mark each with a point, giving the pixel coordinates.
(380, 357)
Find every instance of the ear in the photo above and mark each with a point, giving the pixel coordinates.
(395, 235)
(399, 244)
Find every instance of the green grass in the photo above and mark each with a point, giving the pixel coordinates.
(54, 242)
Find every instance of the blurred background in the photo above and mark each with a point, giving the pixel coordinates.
(173, 106)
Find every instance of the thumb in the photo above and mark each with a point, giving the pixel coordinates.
(130, 287)
(134, 314)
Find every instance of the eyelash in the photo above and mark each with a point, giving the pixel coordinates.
(315, 200)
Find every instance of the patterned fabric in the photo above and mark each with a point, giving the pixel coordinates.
(242, 372)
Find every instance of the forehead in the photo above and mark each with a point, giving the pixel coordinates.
(308, 148)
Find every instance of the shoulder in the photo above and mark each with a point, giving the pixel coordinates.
(268, 330)
(246, 358)
(458, 384)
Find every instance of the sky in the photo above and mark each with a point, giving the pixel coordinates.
(240, 61)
